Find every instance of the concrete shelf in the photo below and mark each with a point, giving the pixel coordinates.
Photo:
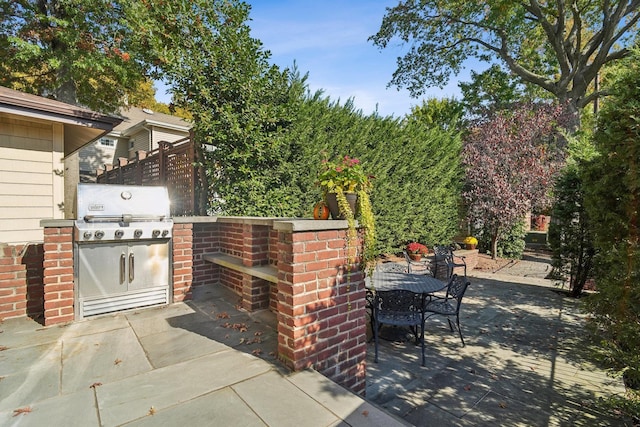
(266, 272)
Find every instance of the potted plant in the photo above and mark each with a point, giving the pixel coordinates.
(416, 251)
(470, 242)
(345, 187)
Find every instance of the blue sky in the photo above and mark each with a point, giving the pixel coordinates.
(328, 39)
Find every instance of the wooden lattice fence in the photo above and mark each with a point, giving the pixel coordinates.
(172, 164)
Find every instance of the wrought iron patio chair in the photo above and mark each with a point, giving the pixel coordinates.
(424, 265)
(369, 295)
(398, 308)
(444, 256)
(449, 306)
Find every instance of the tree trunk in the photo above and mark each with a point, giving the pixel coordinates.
(494, 246)
(66, 91)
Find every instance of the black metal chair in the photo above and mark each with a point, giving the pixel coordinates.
(449, 306)
(443, 255)
(424, 266)
(370, 295)
(398, 308)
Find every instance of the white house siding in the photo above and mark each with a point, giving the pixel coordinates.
(95, 155)
(31, 177)
(138, 141)
(168, 135)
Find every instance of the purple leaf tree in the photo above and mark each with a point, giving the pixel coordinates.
(510, 162)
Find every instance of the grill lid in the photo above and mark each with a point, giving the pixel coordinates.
(122, 203)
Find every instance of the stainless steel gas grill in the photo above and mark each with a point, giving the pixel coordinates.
(122, 248)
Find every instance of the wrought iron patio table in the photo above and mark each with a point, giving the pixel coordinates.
(391, 280)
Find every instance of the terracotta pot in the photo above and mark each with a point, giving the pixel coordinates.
(333, 204)
(470, 246)
(415, 257)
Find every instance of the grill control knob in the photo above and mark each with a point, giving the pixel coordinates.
(137, 233)
(165, 233)
(87, 235)
(155, 233)
(119, 234)
(99, 234)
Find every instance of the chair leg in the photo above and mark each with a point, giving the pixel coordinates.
(422, 341)
(450, 324)
(459, 329)
(375, 340)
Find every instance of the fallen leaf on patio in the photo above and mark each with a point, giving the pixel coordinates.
(223, 315)
(3, 348)
(502, 404)
(365, 413)
(256, 352)
(242, 340)
(532, 368)
(467, 387)
(19, 411)
(258, 333)
(494, 376)
(117, 362)
(226, 336)
(272, 353)
(94, 385)
(152, 411)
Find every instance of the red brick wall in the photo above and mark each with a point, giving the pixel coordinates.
(58, 275)
(206, 239)
(182, 261)
(13, 284)
(231, 239)
(321, 308)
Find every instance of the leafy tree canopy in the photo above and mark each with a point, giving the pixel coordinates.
(510, 162)
(75, 51)
(559, 46)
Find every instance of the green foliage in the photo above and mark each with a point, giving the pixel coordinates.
(78, 51)
(443, 113)
(570, 235)
(557, 48)
(510, 242)
(495, 89)
(612, 198)
(241, 104)
(416, 168)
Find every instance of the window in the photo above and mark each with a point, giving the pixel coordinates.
(107, 142)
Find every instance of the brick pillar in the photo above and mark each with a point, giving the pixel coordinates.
(321, 308)
(182, 261)
(13, 284)
(58, 275)
(255, 251)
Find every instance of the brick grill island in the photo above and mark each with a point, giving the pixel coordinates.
(294, 267)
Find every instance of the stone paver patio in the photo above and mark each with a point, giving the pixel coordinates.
(526, 363)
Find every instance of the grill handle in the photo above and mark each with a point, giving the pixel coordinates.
(126, 218)
(122, 267)
(131, 266)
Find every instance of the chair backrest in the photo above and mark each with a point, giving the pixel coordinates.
(441, 252)
(456, 288)
(397, 301)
